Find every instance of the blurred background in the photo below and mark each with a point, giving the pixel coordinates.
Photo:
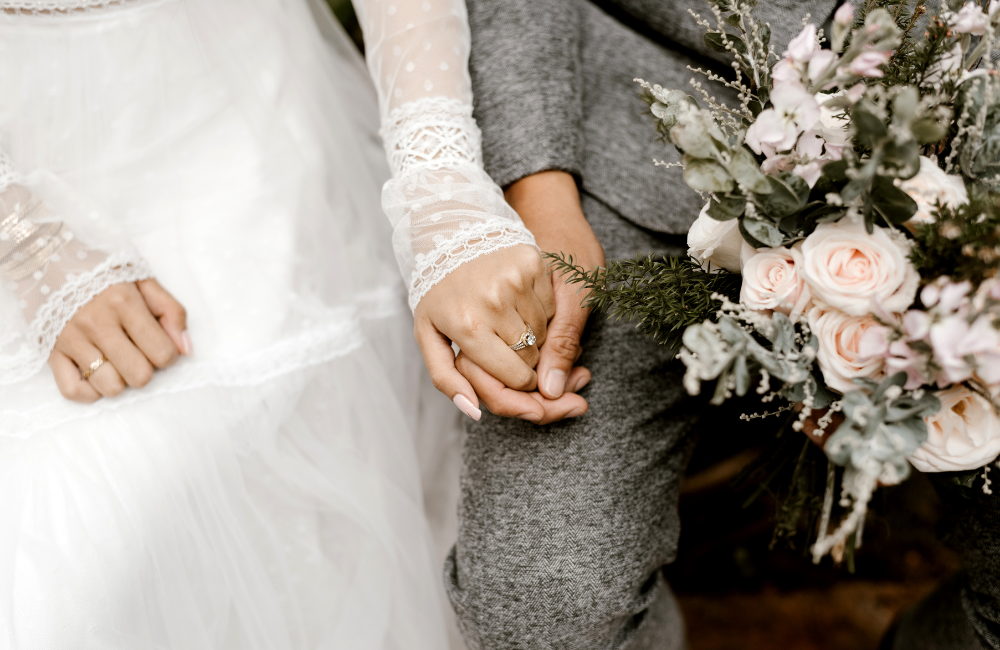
(736, 591)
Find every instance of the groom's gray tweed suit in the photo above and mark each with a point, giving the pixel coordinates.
(564, 528)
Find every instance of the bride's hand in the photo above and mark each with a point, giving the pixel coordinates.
(137, 327)
(483, 306)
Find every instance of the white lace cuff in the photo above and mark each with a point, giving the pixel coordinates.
(470, 241)
(47, 275)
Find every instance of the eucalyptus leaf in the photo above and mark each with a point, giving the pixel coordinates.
(868, 128)
(762, 232)
(927, 130)
(783, 199)
(706, 175)
(892, 204)
(742, 375)
(733, 20)
(724, 208)
(901, 157)
(714, 42)
(744, 168)
(764, 33)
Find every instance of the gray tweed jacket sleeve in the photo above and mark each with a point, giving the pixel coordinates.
(553, 89)
(528, 56)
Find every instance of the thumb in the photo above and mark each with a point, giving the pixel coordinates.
(560, 350)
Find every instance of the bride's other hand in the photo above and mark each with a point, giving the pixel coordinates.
(138, 327)
(483, 307)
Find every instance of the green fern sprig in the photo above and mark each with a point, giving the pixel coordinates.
(664, 295)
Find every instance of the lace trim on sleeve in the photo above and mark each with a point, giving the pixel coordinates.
(60, 307)
(470, 241)
(431, 133)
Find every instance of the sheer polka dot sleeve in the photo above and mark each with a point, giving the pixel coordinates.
(445, 210)
(56, 255)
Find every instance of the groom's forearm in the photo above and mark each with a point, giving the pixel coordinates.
(549, 205)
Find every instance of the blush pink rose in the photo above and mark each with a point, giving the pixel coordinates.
(848, 269)
(770, 282)
(963, 435)
(841, 356)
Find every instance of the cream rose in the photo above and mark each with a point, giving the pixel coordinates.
(839, 354)
(963, 435)
(931, 186)
(715, 243)
(846, 268)
(770, 282)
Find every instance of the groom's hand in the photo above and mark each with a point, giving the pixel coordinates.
(549, 205)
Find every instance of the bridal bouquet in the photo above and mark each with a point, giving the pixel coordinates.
(845, 262)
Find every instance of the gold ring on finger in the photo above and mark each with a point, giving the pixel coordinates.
(526, 341)
(94, 367)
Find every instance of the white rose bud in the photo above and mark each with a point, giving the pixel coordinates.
(848, 269)
(839, 356)
(931, 186)
(715, 243)
(963, 435)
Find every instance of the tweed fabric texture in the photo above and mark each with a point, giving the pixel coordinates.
(553, 86)
(564, 528)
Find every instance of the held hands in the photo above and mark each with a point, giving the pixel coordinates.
(484, 305)
(137, 327)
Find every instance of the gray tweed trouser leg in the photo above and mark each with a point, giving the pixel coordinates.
(564, 528)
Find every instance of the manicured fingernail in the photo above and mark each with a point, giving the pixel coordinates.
(465, 406)
(555, 383)
(186, 344)
(530, 417)
(575, 413)
(581, 383)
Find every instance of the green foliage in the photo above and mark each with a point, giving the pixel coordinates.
(978, 140)
(664, 295)
(963, 243)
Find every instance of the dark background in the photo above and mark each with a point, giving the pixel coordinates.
(737, 592)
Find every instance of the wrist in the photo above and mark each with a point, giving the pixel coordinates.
(549, 205)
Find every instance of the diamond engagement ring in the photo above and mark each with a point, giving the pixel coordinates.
(527, 340)
(94, 367)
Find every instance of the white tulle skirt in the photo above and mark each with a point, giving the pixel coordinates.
(264, 493)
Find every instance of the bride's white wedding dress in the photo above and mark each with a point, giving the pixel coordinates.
(264, 492)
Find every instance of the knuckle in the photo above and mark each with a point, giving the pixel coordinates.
(469, 324)
(522, 379)
(565, 342)
(163, 356)
(117, 297)
(438, 380)
(142, 375)
(530, 356)
(87, 319)
(493, 298)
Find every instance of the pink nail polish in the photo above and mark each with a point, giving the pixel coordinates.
(465, 406)
(187, 349)
(530, 417)
(581, 384)
(575, 413)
